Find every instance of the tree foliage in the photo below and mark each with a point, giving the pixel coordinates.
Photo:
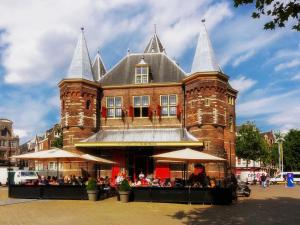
(291, 151)
(249, 143)
(280, 12)
(58, 142)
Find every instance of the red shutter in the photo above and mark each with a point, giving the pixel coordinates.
(178, 112)
(150, 113)
(104, 112)
(159, 111)
(131, 112)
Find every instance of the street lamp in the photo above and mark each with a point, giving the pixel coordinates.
(279, 141)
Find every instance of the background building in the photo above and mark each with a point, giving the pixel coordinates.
(9, 142)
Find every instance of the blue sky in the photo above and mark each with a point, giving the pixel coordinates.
(37, 40)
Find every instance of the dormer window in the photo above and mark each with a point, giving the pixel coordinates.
(142, 72)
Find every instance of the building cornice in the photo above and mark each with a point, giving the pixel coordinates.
(206, 75)
(78, 80)
(142, 85)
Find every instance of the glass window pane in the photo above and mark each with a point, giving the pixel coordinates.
(164, 111)
(172, 99)
(173, 111)
(137, 112)
(138, 70)
(137, 101)
(145, 79)
(145, 100)
(110, 112)
(164, 100)
(144, 70)
(138, 79)
(110, 102)
(118, 112)
(118, 101)
(144, 111)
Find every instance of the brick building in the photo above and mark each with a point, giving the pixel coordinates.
(9, 143)
(146, 104)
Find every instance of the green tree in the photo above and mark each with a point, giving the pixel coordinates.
(249, 143)
(291, 151)
(280, 12)
(58, 142)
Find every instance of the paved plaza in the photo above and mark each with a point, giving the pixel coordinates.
(273, 205)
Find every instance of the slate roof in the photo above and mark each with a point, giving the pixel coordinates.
(98, 67)
(162, 69)
(142, 135)
(154, 45)
(81, 66)
(204, 59)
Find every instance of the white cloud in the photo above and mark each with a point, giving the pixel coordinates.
(287, 65)
(242, 83)
(243, 35)
(21, 133)
(281, 111)
(27, 112)
(40, 44)
(243, 58)
(42, 39)
(296, 77)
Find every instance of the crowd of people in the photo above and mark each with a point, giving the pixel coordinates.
(54, 180)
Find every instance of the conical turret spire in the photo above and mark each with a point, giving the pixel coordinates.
(98, 67)
(154, 45)
(204, 59)
(81, 63)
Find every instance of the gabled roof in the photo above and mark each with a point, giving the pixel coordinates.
(98, 67)
(161, 69)
(81, 63)
(204, 59)
(154, 45)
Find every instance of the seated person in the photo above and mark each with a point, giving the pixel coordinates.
(167, 183)
(155, 182)
(43, 181)
(141, 175)
(212, 182)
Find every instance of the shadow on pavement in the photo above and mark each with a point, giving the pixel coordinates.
(280, 210)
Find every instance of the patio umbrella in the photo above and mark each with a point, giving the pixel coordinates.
(89, 157)
(188, 155)
(49, 154)
(56, 153)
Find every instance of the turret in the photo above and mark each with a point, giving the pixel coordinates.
(79, 95)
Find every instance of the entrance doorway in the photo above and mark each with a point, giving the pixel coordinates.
(139, 159)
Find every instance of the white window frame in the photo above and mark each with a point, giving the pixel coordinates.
(169, 105)
(114, 107)
(142, 75)
(141, 105)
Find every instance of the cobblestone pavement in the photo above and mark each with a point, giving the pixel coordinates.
(273, 205)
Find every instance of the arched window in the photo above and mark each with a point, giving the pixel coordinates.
(63, 105)
(88, 104)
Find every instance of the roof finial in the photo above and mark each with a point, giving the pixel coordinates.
(128, 51)
(154, 28)
(203, 20)
(82, 28)
(98, 51)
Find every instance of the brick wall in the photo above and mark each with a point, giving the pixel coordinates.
(78, 121)
(208, 113)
